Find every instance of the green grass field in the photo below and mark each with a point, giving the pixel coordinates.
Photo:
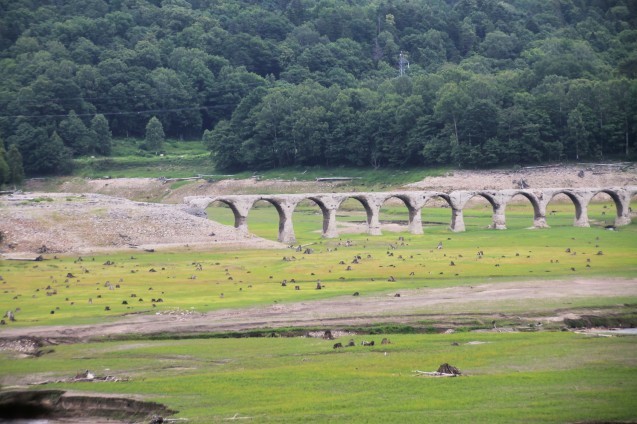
(511, 377)
(249, 277)
(190, 158)
(520, 377)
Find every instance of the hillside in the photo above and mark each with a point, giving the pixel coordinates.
(304, 83)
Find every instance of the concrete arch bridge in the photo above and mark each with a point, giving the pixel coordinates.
(414, 201)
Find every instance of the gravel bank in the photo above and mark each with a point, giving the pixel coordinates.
(81, 223)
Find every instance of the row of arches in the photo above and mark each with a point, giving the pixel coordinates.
(415, 201)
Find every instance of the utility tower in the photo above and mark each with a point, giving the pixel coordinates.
(403, 63)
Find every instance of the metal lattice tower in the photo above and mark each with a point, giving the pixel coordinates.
(403, 63)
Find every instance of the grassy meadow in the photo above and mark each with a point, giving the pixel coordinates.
(180, 158)
(510, 377)
(520, 377)
(57, 291)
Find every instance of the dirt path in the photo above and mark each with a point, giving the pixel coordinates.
(411, 306)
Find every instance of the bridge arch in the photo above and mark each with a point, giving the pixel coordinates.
(622, 216)
(281, 236)
(581, 217)
(371, 212)
(448, 204)
(414, 219)
(539, 218)
(240, 217)
(498, 220)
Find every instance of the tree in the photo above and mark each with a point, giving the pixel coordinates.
(451, 103)
(578, 133)
(4, 167)
(76, 136)
(54, 158)
(14, 160)
(154, 135)
(101, 134)
(43, 155)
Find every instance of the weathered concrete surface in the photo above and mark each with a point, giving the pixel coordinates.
(414, 202)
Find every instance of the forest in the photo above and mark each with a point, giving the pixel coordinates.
(276, 83)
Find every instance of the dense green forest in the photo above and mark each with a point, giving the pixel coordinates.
(276, 83)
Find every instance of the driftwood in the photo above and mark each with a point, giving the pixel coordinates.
(444, 370)
(170, 180)
(328, 179)
(618, 164)
(434, 374)
(165, 180)
(108, 378)
(542, 166)
(38, 258)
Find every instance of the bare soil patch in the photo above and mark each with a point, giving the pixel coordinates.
(69, 223)
(572, 176)
(159, 190)
(412, 306)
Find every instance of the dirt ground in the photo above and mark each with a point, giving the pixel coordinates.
(70, 223)
(158, 190)
(486, 300)
(558, 176)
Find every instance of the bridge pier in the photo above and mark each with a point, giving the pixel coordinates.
(286, 226)
(415, 220)
(498, 217)
(414, 203)
(240, 208)
(373, 221)
(457, 220)
(329, 223)
(539, 217)
(623, 208)
(329, 205)
(581, 218)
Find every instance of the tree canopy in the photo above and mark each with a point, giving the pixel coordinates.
(304, 82)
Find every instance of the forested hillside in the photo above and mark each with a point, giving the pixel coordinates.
(330, 82)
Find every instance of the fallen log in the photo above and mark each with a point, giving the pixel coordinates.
(617, 164)
(434, 374)
(31, 259)
(170, 180)
(328, 179)
(542, 166)
(106, 378)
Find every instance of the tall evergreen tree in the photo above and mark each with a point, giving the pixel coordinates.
(76, 136)
(102, 135)
(154, 134)
(16, 169)
(4, 167)
(55, 157)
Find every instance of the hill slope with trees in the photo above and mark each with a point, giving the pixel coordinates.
(276, 83)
